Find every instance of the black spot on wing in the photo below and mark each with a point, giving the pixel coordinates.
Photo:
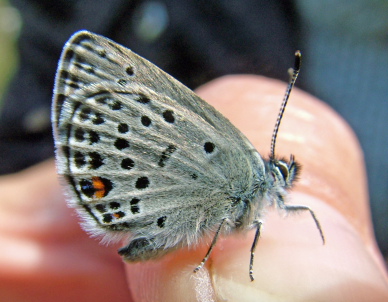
(166, 155)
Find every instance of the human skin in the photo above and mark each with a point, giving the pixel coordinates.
(45, 256)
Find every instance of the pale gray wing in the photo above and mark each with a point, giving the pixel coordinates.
(139, 151)
(109, 61)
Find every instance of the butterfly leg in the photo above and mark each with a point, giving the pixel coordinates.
(297, 208)
(211, 247)
(253, 248)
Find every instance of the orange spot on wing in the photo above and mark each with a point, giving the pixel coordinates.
(99, 187)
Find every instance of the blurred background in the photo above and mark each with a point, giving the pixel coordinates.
(344, 43)
(10, 24)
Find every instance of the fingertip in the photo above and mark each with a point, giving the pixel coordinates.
(171, 278)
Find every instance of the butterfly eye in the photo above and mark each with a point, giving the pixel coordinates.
(283, 169)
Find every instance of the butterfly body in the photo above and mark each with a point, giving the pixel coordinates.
(147, 160)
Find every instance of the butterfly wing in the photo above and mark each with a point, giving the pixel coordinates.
(140, 152)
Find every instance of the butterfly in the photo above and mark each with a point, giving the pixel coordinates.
(145, 159)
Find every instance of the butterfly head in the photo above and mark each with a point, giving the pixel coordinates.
(283, 173)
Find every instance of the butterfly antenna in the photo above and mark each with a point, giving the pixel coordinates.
(291, 83)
